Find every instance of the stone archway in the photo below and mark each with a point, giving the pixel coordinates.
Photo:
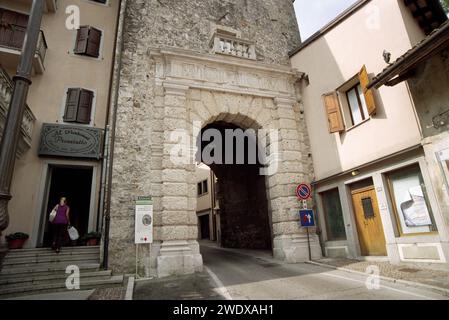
(191, 91)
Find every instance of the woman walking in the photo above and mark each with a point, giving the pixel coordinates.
(60, 224)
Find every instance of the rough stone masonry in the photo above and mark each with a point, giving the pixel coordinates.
(186, 64)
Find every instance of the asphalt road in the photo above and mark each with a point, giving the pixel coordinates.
(241, 274)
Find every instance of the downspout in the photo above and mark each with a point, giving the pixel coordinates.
(117, 65)
(317, 219)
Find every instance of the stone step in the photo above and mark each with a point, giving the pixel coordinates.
(50, 277)
(90, 283)
(45, 268)
(54, 258)
(38, 251)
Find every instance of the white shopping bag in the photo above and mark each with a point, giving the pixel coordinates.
(73, 233)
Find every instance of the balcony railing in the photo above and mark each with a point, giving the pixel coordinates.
(11, 40)
(6, 88)
(232, 46)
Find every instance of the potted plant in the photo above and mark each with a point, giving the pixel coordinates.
(16, 240)
(92, 238)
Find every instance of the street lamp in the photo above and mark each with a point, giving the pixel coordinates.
(14, 118)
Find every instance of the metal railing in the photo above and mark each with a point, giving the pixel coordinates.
(6, 89)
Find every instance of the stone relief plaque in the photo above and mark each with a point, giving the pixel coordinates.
(70, 141)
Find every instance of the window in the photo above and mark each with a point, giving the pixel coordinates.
(335, 226)
(88, 41)
(202, 188)
(410, 201)
(78, 107)
(356, 103)
(100, 1)
(12, 28)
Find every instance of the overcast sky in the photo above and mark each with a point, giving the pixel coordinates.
(314, 14)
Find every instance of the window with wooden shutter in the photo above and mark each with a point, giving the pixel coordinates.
(81, 40)
(88, 41)
(71, 106)
(78, 106)
(85, 106)
(93, 44)
(13, 27)
(333, 112)
(369, 94)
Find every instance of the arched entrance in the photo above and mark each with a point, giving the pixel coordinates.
(241, 203)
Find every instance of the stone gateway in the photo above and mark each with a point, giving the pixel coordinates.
(187, 65)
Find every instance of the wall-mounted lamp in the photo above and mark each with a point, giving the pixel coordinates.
(355, 173)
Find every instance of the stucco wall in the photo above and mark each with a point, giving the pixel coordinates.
(47, 94)
(335, 58)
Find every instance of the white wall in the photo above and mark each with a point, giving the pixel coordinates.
(338, 56)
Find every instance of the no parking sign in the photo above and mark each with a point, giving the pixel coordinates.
(304, 191)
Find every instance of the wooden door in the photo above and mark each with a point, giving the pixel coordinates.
(369, 224)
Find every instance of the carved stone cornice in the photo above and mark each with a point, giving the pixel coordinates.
(222, 73)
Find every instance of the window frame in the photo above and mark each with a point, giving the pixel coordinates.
(92, 109)
(360, 105)
(394, 209)
(326, 215)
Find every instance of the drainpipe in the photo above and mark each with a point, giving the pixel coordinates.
(317, 219)
(11, 131)
(113, 122)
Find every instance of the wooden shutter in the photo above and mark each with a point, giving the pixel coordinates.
(369, 94)
(85, 106)
(19, 30)
(93, 45)
(333, 112)
(82, 38)
(71, 106)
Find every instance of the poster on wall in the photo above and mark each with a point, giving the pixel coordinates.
(414, 208)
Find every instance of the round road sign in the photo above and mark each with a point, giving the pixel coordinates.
(304, 191)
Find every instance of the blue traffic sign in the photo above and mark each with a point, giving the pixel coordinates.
(307, 218)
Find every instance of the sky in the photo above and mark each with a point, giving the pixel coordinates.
(314, 14)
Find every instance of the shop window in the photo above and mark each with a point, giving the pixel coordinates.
(333, 214)
(410, 201)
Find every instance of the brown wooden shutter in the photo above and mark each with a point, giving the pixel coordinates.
(71, 106)
(82, 38)
(93, 45)
(85, 106)
(333, 111)
(369, 94)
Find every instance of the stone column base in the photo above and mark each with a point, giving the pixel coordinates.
(178, 258)
(294, 248)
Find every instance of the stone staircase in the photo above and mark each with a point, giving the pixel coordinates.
(34, 271)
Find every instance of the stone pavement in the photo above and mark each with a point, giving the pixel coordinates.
(116, 293)
(433, 275)
(199, 286)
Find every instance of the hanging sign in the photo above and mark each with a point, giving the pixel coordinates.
(144, 220)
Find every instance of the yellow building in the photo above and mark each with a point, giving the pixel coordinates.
(61, 147)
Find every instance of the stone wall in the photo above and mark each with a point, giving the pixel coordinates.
(169, 78)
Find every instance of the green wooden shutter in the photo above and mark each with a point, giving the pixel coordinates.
(85, 106)
(71, 106)
(93, 45)
(82, 38)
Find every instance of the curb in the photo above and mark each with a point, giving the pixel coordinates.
(130, 288)
(442, 291)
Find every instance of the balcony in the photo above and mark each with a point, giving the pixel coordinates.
(10, 49)
(6, 88)
(233, 46)
(49, 5)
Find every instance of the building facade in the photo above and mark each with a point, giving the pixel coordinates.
(197, 65)
(63, 133)
(373, 182)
